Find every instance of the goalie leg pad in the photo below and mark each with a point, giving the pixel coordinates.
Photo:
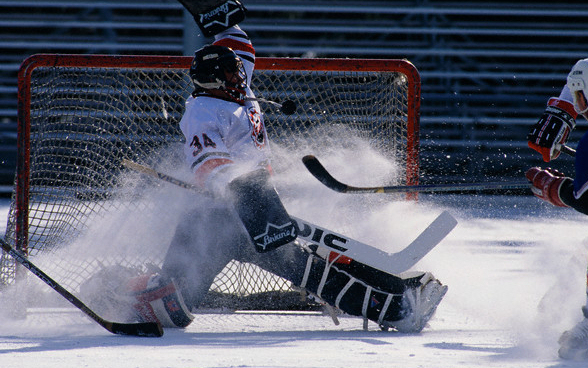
(204, 242)
(350, 294)
(406, 309)
(105, 292)
(261, 211)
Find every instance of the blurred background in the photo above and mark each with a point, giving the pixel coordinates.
(487, 67)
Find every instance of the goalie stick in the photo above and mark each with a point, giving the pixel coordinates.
(318, 171)
(392, 263)
(147, 329)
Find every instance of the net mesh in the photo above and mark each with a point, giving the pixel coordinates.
(84, 120)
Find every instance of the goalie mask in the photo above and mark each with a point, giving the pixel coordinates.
(218, 68)
(578, 86)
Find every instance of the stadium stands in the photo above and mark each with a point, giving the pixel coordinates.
(487, 68)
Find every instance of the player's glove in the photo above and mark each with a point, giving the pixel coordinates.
(214, 16)
(547, 184)
(553, 129)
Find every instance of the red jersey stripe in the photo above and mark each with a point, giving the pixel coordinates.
(207, 167)
(235, 45)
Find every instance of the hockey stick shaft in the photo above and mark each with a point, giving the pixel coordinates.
(149, 171)
(318, 171)
(148, 329)
(568, 150)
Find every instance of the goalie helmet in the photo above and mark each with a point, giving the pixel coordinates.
(578, 85)
(218, 67)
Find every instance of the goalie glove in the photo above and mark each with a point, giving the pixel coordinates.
(129, 294)
(158, 299)
(547, 184)
(553, 129)
(213, 16)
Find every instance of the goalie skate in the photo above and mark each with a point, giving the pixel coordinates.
(574, 343)
(421, 304)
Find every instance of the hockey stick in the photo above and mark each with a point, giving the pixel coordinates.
(148, 329)
(392, 263)
(570, 151)
(318, 171)
(149, 171)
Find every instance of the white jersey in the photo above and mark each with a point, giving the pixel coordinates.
(224, 139)
(221, 136)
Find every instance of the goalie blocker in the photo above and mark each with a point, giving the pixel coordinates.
(213, 16)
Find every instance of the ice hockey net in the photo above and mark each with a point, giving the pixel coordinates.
(80, 115)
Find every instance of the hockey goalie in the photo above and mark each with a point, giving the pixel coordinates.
(227, 149)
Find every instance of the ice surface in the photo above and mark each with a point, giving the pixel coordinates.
(516, 274)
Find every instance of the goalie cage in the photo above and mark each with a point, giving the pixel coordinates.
(80, 115)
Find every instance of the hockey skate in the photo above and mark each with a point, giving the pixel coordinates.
(421, 302)
(574, 343)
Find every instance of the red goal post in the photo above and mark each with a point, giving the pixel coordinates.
(58, 94)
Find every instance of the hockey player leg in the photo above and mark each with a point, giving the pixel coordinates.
(261, 211)
(420, 298)
(573, 344)
(403, 303)
(203, 244)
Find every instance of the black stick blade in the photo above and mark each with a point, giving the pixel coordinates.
(144, 329)
(314, 166)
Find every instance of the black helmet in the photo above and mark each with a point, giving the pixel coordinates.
(208, 69)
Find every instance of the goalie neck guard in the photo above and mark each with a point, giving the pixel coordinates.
(218, 68)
